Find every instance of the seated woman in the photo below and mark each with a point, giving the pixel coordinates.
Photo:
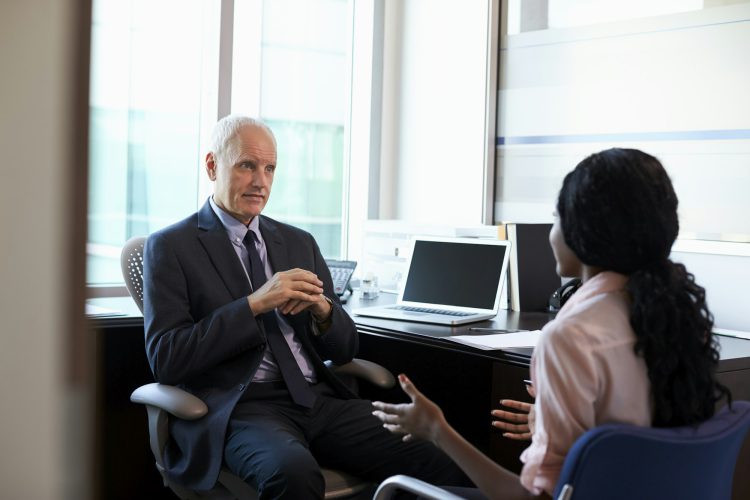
(633, 345)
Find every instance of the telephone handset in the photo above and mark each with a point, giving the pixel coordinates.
(341, 273)
(562, 294)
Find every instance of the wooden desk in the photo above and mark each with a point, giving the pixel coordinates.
(126, 468)
(465, 382)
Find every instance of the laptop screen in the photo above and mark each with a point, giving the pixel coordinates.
(452, 273)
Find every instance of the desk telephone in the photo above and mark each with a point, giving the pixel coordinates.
(341, 273)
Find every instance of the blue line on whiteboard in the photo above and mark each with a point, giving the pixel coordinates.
(686, 135)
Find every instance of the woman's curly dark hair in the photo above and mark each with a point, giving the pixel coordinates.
(618, 212)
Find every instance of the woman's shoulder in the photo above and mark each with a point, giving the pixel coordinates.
(598, 320)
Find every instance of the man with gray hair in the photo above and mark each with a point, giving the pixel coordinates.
(240, 311)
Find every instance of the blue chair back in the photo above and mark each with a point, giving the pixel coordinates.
(618, 461)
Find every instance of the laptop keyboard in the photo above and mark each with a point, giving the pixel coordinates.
(432, 311)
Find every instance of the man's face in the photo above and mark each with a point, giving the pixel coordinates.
(242, 184)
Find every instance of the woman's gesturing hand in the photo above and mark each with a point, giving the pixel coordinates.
(515, 424)
(518, 424)
(419, 419)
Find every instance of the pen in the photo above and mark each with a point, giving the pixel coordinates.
(493, 330)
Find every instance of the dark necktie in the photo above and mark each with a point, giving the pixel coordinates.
(298, 387)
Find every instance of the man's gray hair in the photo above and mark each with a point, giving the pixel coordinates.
(225, 138)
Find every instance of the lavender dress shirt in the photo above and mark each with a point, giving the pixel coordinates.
(268, 370)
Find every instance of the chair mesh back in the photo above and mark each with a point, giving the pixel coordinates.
(131, 262)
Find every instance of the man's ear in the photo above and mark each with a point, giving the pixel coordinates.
(211, 166)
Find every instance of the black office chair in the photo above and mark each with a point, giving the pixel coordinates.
(163, 401)
(620, 461)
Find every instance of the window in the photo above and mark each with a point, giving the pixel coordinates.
(154, 100)
(579, 76)
(303, 51)
(147, 91)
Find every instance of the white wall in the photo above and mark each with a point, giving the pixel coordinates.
(672, 85)
(434, 91)
(726, 279)
(42, 456)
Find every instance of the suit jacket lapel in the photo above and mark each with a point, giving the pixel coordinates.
(213, 237)
(276, 249)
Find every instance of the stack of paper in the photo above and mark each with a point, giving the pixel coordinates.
(93, 311)
(499, 340)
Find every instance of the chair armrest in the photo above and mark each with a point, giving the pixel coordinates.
(171, 399)
(416, 486)
(367, 370)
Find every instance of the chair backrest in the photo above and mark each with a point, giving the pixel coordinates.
(618, 461)
(131, 262)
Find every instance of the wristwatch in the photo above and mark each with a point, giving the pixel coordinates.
(323, 325)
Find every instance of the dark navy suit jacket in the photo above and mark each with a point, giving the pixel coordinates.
(202, 336)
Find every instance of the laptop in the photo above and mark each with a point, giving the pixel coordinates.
(450, 281)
